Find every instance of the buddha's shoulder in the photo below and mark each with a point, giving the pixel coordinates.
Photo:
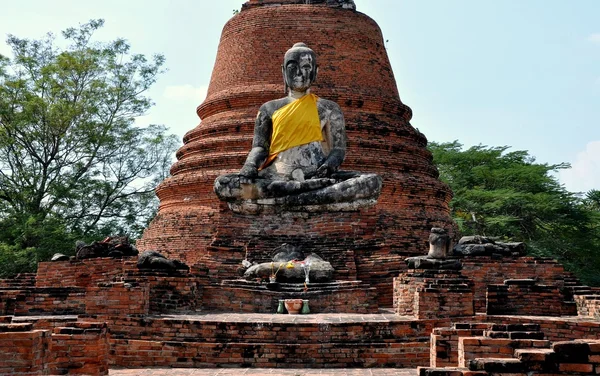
(328, 105)
(271, 106)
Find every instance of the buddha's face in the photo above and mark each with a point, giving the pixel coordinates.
(300, 71)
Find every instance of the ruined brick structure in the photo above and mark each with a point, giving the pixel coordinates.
(355, 72)
(498, 314)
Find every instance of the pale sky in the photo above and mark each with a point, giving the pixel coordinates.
(523, 73)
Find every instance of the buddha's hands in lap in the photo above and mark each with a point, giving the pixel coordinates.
(249, 171)
(324, 171)
(281, 188)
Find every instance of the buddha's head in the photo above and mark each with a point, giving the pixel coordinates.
(299, 68)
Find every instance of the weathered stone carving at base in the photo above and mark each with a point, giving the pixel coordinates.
(483, 246)
(439, 246)
(426, 262)
(59, 257)
(290, 265)
(151, 260)
(117, 247)
(335, 194)
(439, 243)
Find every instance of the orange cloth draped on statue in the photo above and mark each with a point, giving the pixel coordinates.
(294, 124)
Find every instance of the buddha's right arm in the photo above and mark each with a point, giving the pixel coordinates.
(260, 145)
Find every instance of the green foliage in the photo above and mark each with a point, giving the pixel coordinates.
(14, 260)
(72, 163)
(508, 195)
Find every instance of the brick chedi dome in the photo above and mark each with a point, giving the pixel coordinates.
(354, 71)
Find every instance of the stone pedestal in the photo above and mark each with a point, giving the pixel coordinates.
(433, 293)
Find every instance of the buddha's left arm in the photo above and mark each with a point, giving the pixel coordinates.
(336, 139)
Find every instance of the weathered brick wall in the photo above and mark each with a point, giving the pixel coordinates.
(255, 3)
(23, 351)
(427, 294)
(355, 72)
(444, 302)
(174, 295)
(78, 348)
(97, 286)
(177, 291)
(103, 286)
(207, 343)
(50, 301)
(208, 329)
(588, 305)
(160, 354)
(486, 270)
(8, 300)
(357, 298)
(556, 328)
(44, 322)
(118, 298)
(20, 280)
(13, 289)
(82, 273)
(526, 298)
(81, 348)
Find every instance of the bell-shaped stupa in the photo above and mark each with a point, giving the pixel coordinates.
(368, 244)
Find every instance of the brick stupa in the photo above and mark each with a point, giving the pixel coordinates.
(501, 314)
(354, 71)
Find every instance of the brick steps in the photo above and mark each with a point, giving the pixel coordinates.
(497, 365)
(278, 329)
(136, 353)
(579, 357)
(534, 355)
(456, 346)
(270, 341)
(472, 348)
(515, 331)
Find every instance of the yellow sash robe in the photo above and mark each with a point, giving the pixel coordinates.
(295, 124)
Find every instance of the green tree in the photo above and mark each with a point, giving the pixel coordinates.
(72, 162)
(506, 194)
(592, 200)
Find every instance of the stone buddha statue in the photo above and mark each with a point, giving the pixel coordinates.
(299, 144)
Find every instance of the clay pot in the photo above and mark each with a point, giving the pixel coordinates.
(293, 306)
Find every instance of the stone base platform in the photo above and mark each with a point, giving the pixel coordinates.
(249, 342)
(274, 341)
(271, 341)
(264, 371)
(255, 297)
